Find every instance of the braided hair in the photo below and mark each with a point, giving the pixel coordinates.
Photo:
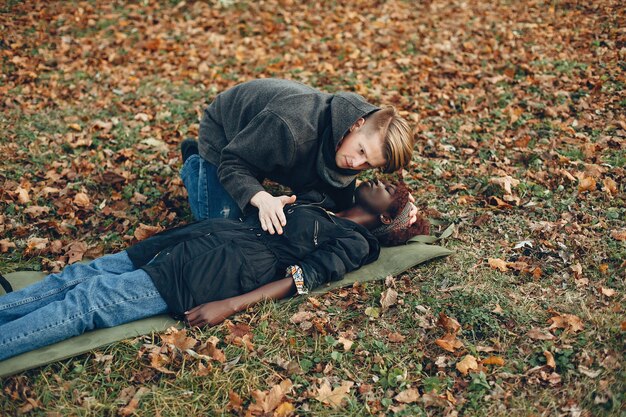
(397, 232)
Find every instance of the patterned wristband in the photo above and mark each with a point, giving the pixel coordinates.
(295, 272)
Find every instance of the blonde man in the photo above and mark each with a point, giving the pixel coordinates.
(294, 135)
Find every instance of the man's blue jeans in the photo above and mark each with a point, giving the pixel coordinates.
(104, 293)
(207, 197)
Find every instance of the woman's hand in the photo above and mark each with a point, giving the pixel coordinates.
(210, 314)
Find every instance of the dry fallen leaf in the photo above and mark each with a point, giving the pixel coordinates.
(134, 402)
(449, 342)
(493, 360)
(610, 186)
(5, 245)
(301, 316)
(540, 334)
(468, 363)
(36, 211)
(448, 323)
(609, 292)
(499, 264)
(408, 396)
(266, 402)
(178, 339)
(505, 182)
(209, 348)
(549, 359)
(82, 200)
(396, 337)
(388, 298)
(333, 397)
(587, 184)
(347, 344)
(619, 234)
(568, 322)
(144, 231)
(75, 252)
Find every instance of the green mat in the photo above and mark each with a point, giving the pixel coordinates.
(392, 261)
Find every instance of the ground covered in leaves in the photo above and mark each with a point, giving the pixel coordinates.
(519, 111)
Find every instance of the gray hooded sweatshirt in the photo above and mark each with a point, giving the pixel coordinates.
(284, 131)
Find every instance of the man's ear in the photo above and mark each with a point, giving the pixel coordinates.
(385, 218)
(357, 125)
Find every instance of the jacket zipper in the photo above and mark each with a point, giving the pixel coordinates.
(315, 232)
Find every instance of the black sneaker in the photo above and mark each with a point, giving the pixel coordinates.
(188, 147)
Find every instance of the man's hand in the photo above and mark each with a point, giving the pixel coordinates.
(210, 314)
(413, 213)
(271, 212)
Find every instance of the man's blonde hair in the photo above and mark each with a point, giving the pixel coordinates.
(398, 139)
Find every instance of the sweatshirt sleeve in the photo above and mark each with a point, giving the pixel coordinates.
(264, 145)
(334, 258)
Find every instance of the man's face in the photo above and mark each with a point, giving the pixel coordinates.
(375, 196)
(359, 151)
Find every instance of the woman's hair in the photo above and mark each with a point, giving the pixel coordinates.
(397, 232)
(398, 138)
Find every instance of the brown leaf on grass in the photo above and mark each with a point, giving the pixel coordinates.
(498, 203)
(499, 264)
(284, 410)
(610, 187)
(333, 396)
(22, 195)
(468, 363)
(134, 402)
(144, 231)
(158, 361)
(75, 252)
(235, 402)
(301, 316)
(431, 399)
(203, 370)
(266, 402)
(209, 348)
(138, 198)
(448, 323)
(568, 322)
(81, 200)
(619, 234)
(388, 298)
(549, 359)
(347, 343)
(505, 182)
(5, 245)
(586, 184)
(609, 292)
(493, 360)
(449, 342)
(540, 334)
(36, 211)
(178, 339)
(408, 396)
(36, 244)
(396, 337)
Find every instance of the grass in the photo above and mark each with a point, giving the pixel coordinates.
(466, 135)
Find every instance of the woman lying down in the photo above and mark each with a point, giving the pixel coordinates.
(206, 271)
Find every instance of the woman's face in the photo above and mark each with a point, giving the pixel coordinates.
(375, 196)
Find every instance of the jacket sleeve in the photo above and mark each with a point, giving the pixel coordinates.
(264, 145)
(334, 258)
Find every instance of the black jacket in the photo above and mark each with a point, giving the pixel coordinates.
(281, 130)
(216, 259)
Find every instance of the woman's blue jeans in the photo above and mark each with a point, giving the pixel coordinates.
(104, 293)
(207, 197)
